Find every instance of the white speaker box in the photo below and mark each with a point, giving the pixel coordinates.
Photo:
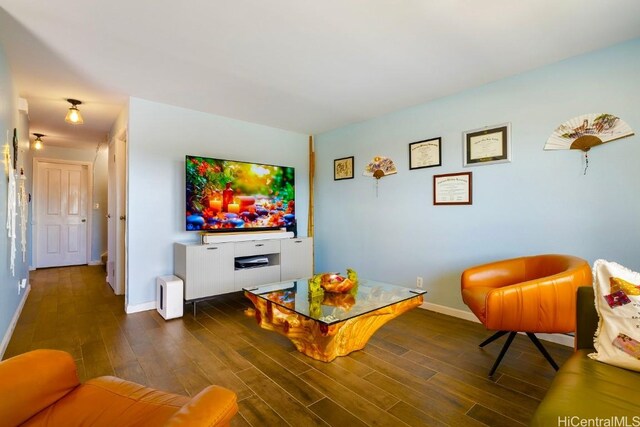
(169, 296)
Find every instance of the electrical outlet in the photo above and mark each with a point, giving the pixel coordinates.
(419, 282)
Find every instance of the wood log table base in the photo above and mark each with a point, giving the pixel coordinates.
(318, 340)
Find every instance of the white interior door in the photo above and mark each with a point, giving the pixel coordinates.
(116, 263)
(61, 214)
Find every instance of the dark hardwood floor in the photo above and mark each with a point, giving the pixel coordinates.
(422, 368)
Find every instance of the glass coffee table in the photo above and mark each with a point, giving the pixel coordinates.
(330, 325)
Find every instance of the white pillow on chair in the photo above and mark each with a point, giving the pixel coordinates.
(617, 293)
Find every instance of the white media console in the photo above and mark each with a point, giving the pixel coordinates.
(228, 266)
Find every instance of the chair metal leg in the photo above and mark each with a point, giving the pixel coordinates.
(542, 350)
(493, 337)
(505, 347)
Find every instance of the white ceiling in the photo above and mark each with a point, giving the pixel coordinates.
(306, 66)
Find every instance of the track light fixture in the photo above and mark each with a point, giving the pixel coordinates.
(37, 144)
(73, 115)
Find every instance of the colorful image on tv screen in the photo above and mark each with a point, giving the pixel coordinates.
(223, 195)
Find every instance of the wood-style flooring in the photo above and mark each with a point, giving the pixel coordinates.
(421, 369)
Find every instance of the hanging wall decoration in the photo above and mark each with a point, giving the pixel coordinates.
(11, 207)
(380, 167)
(23, 203)
(586, 131)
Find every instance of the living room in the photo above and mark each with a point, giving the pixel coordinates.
(389, 229)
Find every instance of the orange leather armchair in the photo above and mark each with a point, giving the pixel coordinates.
(528, 294)
(41, 388)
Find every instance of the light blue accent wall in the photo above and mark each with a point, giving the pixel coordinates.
(98, 158)
(541, 202)
(9, 118)
(159, 138)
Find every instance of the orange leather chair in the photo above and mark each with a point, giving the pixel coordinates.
(41, 388)
(528, 294)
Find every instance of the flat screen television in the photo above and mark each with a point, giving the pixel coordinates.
(226, 195)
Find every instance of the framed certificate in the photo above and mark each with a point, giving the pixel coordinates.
(452, 189)
(343, 168)
(425, 154)
(491, 144)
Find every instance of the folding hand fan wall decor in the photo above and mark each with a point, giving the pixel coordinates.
(586, 131)
(379, 167)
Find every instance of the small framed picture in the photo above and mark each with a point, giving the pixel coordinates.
(452, 189)
(343, 168)
(491, 144)
(425, 154)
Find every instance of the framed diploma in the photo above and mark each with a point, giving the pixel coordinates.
(425, 154)
(343, 168)
(491, 144)
(452, 189)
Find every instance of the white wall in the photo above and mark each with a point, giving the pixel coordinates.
(98, 157)
(539, 203)
(159, 138)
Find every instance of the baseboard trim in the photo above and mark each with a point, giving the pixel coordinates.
(563, 339)
(95, 262)
(140, 307)
(454, 312)
(14, 322)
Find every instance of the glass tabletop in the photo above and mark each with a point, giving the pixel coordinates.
(331, 308)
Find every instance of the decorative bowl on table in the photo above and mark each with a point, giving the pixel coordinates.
(334, 282)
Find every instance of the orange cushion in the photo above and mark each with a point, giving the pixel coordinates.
(32, 381)
(110, 401)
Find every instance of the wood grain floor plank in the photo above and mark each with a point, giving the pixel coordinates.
(280, 400)
(131, 371)
(221, 350)
(491, 418)
(436, 402)
(414, 417)
(192, 379)
(355, 383)
(501, 406)
(299, 389)
(516, 395)
(352, 402)
(255, 412)
(510, 383)
(334, 414)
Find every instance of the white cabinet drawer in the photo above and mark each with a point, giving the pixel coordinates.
(252, 277)
(257, 247)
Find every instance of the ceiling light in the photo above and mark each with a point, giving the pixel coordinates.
(37, 144)
(73, 115)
